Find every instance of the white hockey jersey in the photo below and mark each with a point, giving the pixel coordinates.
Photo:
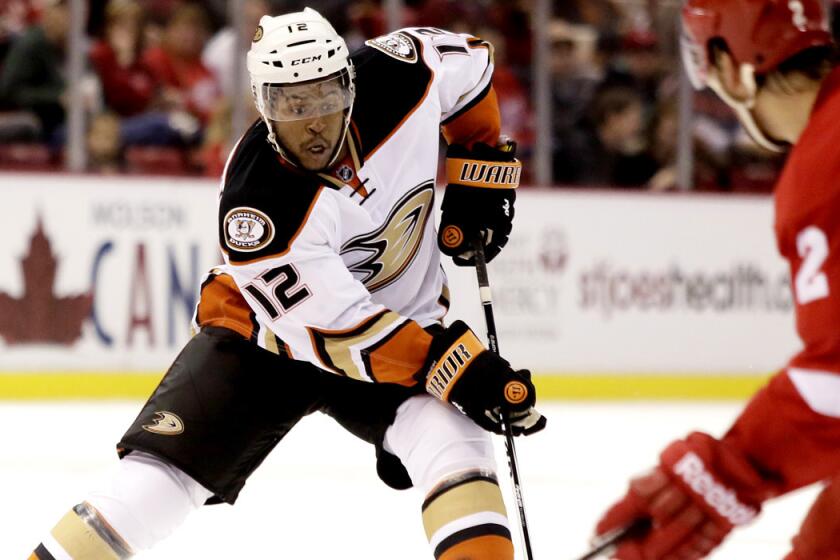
(342, 268)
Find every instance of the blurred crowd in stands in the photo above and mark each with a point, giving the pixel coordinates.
(159, 87)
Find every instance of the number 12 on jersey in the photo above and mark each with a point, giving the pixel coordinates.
(279, 290)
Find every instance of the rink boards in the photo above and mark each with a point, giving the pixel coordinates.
(601, 294)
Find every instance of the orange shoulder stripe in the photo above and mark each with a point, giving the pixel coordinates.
(480, 123)
(222, 305)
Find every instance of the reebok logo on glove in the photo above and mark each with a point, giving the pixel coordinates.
(691, 469)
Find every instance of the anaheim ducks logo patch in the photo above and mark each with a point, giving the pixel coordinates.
(165, 423)
(247, 229)
(396, 45)
(380, 257)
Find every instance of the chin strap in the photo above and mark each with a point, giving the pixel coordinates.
(743, 109)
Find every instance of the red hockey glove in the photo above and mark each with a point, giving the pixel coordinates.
(700, 491)
(480, 383)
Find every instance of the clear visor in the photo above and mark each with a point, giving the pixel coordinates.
(295, 102)
(694, 61)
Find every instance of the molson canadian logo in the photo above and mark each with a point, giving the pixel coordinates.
(39, 314)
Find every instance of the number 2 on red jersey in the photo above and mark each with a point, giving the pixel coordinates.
(811, 282)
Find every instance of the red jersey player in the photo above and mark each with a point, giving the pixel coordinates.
(771, 61)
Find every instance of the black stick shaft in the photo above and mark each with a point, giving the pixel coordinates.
(510, 448)
(606, 544)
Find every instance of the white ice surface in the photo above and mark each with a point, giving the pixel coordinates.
(317, 495)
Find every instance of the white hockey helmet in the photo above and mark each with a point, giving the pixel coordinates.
(291, 52)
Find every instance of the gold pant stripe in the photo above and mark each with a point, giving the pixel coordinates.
(80, 540)
(461, 501)
(338, 345)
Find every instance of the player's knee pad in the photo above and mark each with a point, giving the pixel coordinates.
(147, 499)
(451, 460)
(433, 441)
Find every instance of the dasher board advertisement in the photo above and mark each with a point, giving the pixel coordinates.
(101, 274)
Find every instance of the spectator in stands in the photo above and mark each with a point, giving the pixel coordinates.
(13, 15)
(574, 75)
(31, 77)
(129, 88)
(366, 20)
(602, 15)
(607, 149)
(514, 102)
(218, 55)
(176, 63)
(103, 144)
(127, 84)
(642, 61)
(513, 20)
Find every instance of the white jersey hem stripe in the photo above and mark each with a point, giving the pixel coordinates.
(819, 389)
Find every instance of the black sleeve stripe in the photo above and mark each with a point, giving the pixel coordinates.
(473, 102)
(43, 554)
(450, 485)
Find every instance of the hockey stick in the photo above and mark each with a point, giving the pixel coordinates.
(487, 305)
(606, 544)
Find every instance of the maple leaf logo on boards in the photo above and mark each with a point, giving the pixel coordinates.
(39, 315)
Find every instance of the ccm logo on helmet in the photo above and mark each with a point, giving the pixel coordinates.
(304, 60)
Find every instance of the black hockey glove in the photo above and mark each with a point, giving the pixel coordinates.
(459, 370)
(478, 200)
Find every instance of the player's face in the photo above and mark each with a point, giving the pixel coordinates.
(311, 141)
(308, 120)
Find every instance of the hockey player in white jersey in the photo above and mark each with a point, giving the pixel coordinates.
(332, 295)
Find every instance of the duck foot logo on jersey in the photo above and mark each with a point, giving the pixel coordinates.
(165, 423)
(380, 257)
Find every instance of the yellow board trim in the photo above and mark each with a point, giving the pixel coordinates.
(77, 385)
(634, 386)
(58, 385)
